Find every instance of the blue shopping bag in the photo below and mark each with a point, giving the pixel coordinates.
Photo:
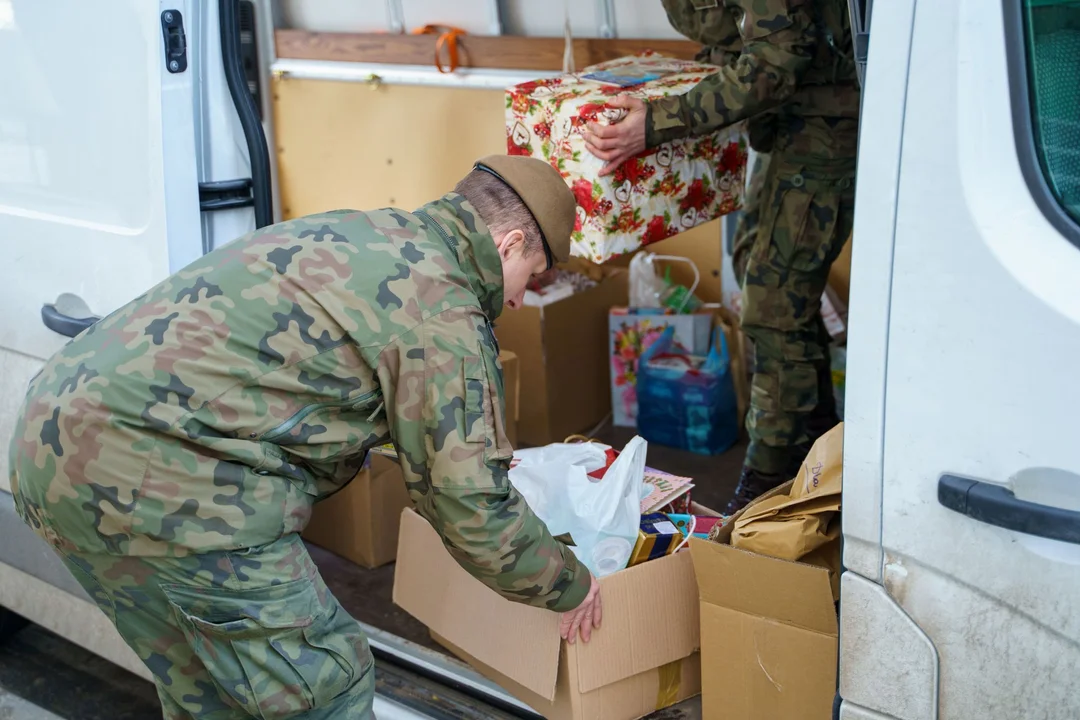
(687, 401)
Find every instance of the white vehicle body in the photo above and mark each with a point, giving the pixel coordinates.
(964, 324)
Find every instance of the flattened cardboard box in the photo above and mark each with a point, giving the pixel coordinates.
(562, 351)
(769, 634)
(360, 522)
(644, 657)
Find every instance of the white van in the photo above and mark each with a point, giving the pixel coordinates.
(131, 142)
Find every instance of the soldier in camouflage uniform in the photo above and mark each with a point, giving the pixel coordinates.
(785, 67)
(172, 452)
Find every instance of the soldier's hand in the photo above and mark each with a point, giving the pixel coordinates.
(618, 142)
(584, 617)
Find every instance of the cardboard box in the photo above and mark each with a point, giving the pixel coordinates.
(644, 657)
(360, 523)
(562, 351)
(769, 634)
(512, 392)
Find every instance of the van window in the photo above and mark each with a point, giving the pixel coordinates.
(1052, 40)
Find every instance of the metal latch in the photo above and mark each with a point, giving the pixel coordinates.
(225, 195)
(172, 30)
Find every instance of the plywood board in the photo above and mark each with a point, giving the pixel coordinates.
(478, 51)
(351, 145)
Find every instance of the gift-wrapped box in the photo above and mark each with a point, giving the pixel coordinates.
(650, 197)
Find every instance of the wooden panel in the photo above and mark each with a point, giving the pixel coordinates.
(479, 51)
(347, 145)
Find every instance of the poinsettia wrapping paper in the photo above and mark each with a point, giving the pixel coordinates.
(650, 197)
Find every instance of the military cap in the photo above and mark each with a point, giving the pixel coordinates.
(544, 192)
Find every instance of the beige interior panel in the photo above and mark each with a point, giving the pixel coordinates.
(352, 145)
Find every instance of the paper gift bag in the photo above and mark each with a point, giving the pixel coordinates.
(653, 196)
(804, 523)
(631, 332)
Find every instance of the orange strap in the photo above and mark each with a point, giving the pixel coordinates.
(448, 37)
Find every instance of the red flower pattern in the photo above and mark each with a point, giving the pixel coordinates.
(698, 197)
(583, 193)
(665, 190)
(732, 158)
(657, 230)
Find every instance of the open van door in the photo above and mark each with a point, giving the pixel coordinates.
(102, 208)
(122, 159)
(962, 466)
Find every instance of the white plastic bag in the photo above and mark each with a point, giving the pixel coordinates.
(646, 285)
(602, 516)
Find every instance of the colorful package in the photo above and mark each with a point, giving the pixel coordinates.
(657, 537)
(680, 505)
(653, 196)
(702, 524)
(631, 332)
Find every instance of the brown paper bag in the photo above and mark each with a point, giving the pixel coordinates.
(804, 523)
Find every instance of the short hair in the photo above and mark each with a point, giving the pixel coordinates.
(500, 208)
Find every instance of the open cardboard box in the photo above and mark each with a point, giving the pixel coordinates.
(644, 657)
(769, 633)
(562, 349)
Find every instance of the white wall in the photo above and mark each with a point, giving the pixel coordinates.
(633, 18)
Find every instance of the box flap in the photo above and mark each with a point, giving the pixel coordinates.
(650, 619)
(521, 641)
(789, 592)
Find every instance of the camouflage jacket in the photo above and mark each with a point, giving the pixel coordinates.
(213, 411)
(785, 65)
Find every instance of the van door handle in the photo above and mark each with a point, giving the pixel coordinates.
(997, 505)
(64, 324)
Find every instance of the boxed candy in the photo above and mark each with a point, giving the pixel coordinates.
(657, 194)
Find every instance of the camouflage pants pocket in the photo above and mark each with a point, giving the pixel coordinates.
(275, 651)
(804, 220)
(777, 396)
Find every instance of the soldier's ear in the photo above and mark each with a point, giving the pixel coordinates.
(511, 243)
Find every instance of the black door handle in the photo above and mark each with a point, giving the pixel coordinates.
(997, 505)
(64, 324)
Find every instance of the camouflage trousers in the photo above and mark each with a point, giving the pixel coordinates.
(243, 634)
(797, 217)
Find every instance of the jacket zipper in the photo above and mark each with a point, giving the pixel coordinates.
(288, 425)
(450, 242)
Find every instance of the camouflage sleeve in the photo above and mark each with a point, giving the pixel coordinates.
(779, 38)
(443, 392)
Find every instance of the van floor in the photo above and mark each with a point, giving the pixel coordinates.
(367, 594)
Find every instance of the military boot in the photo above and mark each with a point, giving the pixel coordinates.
(752, 484)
